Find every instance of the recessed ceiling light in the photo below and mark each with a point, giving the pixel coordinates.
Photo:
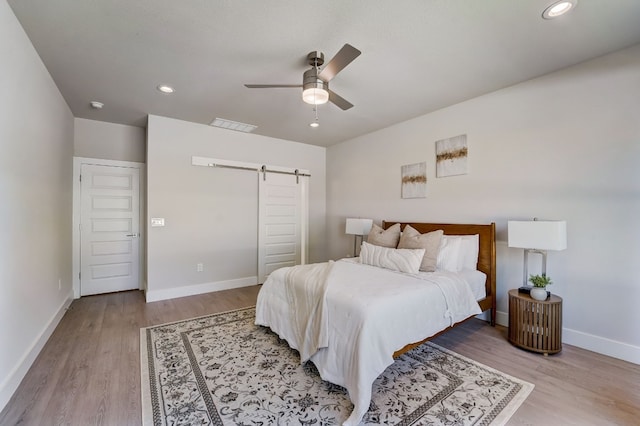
(96, 105)
(165, 89)
(558, 8)
(314, 124)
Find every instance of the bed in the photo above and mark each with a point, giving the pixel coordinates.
(351, 319)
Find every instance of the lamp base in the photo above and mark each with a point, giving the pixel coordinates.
(526, 289)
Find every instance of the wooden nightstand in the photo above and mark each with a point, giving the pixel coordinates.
(535, 325)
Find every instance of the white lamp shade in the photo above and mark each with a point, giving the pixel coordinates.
(358, 226)
(538, 234)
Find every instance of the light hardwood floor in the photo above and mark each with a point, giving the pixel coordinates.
(89, 371)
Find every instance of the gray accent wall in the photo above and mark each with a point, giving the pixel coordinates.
(563, 146)
(36, 151)
(211, 214)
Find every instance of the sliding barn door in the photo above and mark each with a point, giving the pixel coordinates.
(282, 222)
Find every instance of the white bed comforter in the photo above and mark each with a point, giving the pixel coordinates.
(364, 315)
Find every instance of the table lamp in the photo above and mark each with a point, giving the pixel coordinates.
(536, 236)
(358, 227)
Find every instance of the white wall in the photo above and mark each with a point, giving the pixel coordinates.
(564, 146)
(211, 213)
(109, 141)
(36, 150)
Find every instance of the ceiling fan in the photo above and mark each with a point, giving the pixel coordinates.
(315, 82)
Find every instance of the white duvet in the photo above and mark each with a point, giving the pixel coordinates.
(364, 315)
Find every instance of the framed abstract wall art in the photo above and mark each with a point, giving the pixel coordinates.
(414, 180)
(451, 156)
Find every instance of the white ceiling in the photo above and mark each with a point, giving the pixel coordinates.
(417, 55)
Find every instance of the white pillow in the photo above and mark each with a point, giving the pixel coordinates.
(469, 251)
(458, 252)
(402, 260)
(449, 254)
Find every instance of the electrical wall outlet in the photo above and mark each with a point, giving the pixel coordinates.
(199, 267)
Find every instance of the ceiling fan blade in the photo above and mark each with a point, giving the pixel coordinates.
(338, 100)
(343, 58)
(270, 86)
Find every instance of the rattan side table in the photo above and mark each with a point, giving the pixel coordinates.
(535, 325)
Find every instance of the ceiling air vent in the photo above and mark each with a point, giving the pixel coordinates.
(233, 125)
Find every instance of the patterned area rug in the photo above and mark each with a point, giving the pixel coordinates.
(224, 370)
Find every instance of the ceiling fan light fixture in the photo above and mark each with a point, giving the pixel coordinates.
(314, 90)
(315, 95)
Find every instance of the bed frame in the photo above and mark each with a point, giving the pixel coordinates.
(486, 262)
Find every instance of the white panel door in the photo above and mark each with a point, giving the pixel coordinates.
(109, 229)
(282, 222)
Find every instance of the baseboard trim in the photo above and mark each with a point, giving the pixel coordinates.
(590, 342)
(9, 386)
(191, 290)
(602, 345)
(502, 318)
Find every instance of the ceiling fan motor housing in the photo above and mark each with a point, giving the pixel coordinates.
(310, 80)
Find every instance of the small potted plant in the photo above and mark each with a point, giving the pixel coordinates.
(540, 283)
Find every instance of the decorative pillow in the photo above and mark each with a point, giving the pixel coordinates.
(402, 260)
(385, 238)
(449, 254)
(469, 251)
(430, 242)
(458, 252)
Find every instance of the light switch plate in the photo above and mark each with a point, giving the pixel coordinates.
(157, 221)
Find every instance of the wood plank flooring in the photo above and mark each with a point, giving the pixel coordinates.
(89, 371)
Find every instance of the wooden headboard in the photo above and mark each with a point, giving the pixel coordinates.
(486, 253)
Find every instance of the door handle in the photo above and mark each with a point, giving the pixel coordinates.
(132, 235)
